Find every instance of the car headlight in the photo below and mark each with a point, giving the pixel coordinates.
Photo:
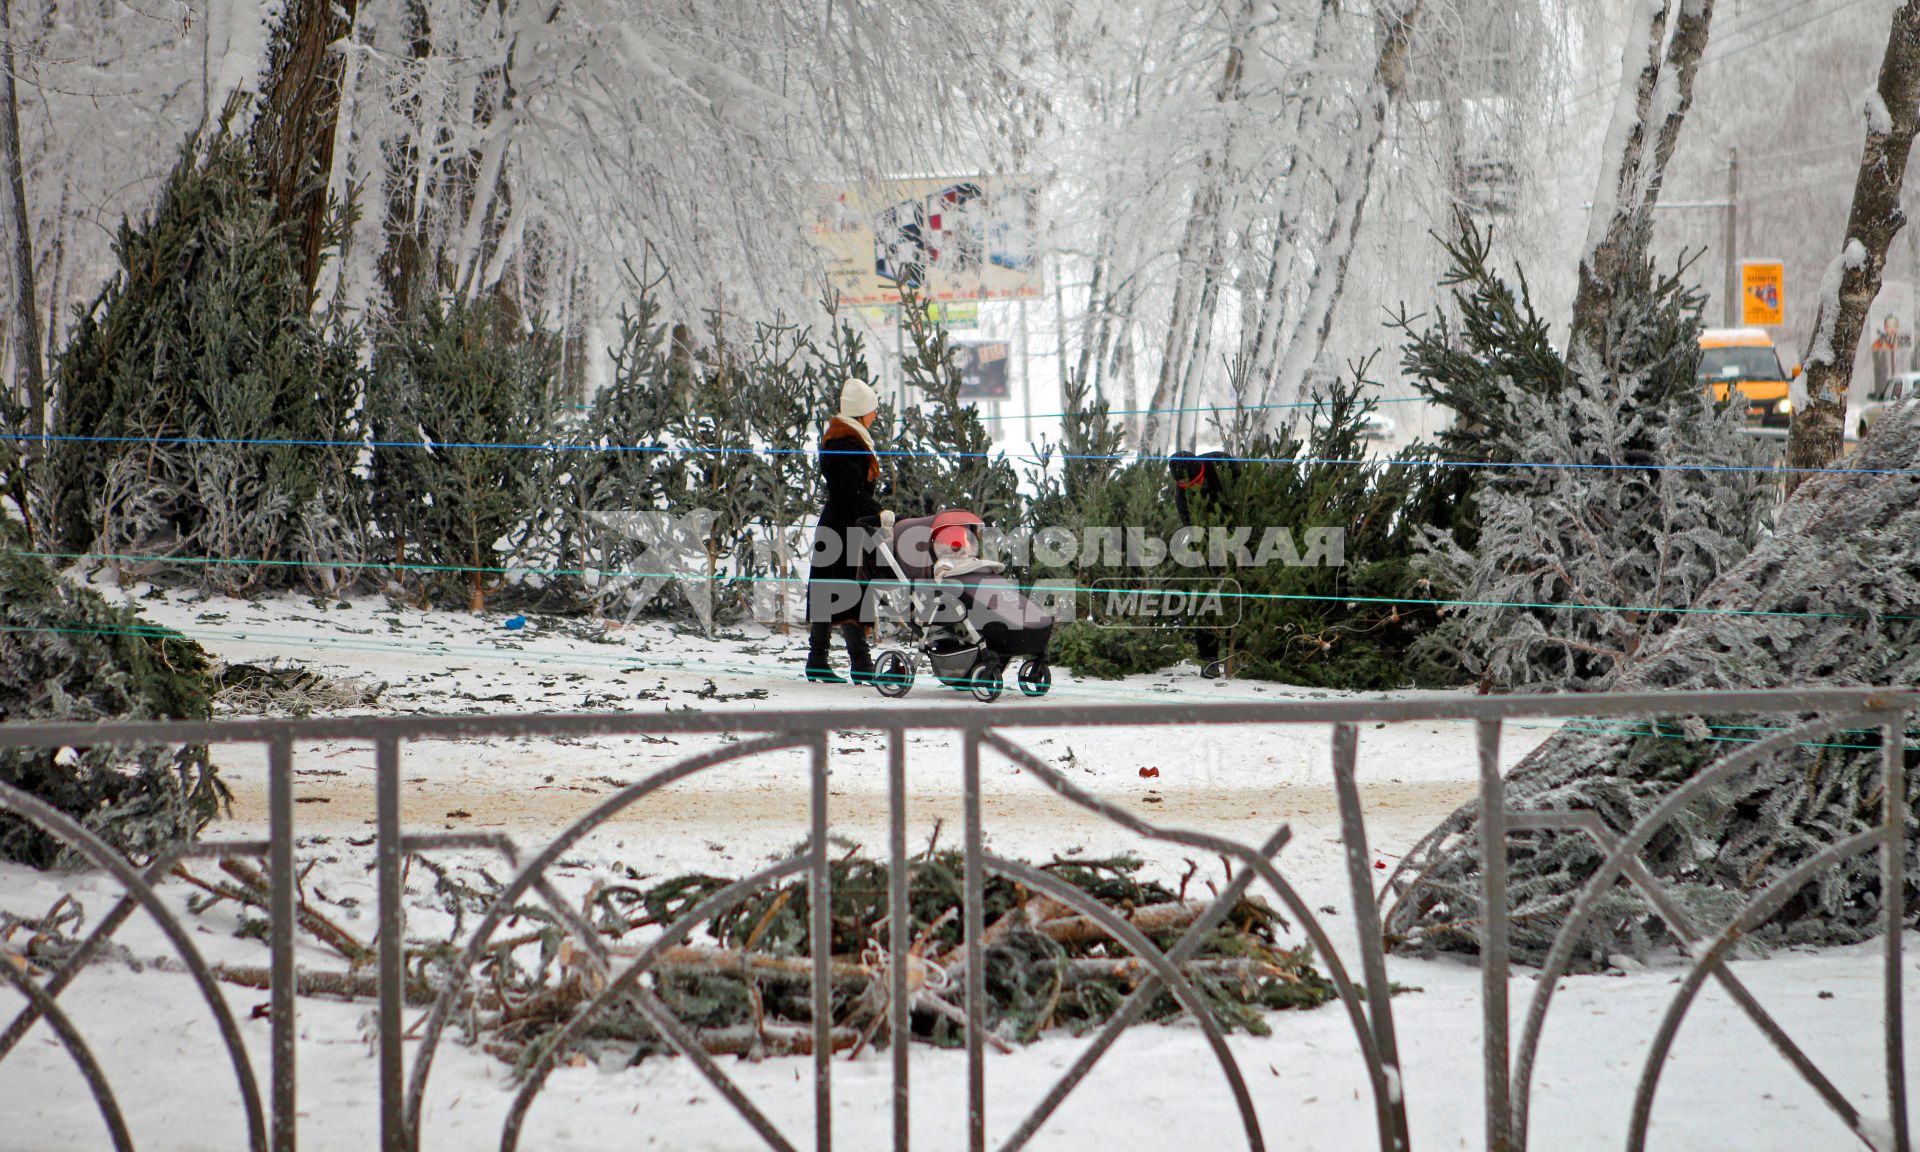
(1784, 408)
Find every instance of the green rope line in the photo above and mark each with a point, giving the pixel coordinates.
(888, 583)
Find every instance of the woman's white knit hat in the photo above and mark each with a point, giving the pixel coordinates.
(856, 399)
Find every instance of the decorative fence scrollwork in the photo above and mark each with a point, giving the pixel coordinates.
(1365, 1002)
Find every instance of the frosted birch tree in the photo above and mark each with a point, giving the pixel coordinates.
(17, 227)
(520, 144)
(1648, 113)
(1892, 113)
(1351, 188)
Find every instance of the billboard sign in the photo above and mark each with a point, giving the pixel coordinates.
(951, 315)
(983, 368)
(966, 238)
(1763, 293)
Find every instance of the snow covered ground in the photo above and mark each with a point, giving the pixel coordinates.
(1724, 1088)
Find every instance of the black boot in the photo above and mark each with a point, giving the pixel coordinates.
(859, 660)
(819, 638)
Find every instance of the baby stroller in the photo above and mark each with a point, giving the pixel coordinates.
(967, 620)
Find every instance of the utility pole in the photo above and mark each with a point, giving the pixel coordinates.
(1026, 370)
(1729, 239)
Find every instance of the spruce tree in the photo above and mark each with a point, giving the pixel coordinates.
(944, 455)
(1345, 616)
(622, 463)
(461, 408)
(66, 654)
(1830, 598)
(1588, 533)
(206, 409)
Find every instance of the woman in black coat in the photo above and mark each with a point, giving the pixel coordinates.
(851, 469)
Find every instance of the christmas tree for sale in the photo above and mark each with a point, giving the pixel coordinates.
(1613, 489)
(66, 654)
(462, 409)
(1830, 598)
(205, 414)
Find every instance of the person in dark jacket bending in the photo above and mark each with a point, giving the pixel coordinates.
(1206, 475)
(851, 469)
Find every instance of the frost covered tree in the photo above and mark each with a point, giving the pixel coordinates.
(1215, 164)
(1664, 46)
(543, 148)
(1852, 280)
(66, 654)
(1829, 597)
(220, 406)
(457, 395)
(1832, 597)
(1647, 493)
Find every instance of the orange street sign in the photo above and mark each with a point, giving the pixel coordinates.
(1763, 293)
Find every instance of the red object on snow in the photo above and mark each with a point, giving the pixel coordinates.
(1149, 773)
(1379, 863)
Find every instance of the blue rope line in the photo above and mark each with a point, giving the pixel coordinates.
(658, 449)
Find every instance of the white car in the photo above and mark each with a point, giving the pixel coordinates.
(1376, 426)
(1900, 386)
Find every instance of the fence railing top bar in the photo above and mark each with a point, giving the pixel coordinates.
(972, 717)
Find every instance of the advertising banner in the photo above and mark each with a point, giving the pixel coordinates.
(1763, 293)
(952, 316)
(983, 368)
(965, 238)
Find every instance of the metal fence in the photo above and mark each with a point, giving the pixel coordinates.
(1365, 1000)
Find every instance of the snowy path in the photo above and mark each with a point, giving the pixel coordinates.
(1724, 1088)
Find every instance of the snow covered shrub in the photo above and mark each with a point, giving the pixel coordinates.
(220, 404)
(67, 654)
(1830, 598)
(455, 389)
(1569, 570)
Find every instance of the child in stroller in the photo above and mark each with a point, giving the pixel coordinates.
(964, 617)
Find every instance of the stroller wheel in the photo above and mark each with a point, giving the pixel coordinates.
(1035, 678)
(893, 673)
(984, 680)
(1214, 670)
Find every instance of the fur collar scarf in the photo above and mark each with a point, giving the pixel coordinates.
(841, 428)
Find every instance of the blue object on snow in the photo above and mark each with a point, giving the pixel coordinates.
(515, 623)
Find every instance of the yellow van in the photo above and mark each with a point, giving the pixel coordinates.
(1744, 358)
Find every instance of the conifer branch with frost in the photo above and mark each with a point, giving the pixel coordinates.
(1830, 598)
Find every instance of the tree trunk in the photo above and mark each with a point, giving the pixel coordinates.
(1646, 124)
(1199, 256)
(406, 257)
(1263, 346)
(1397, 22)
(58, 272)
(1853, 279)
(28, 374)
(1158, 418)
(293, 136)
